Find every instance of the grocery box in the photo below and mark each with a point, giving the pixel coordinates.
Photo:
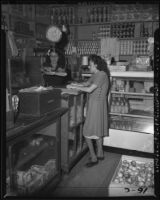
(134, 176)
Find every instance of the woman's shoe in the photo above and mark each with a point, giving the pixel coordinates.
(91, 163)
(100, 158)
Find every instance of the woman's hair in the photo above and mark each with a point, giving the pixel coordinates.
(48, 60)
(101, 64)
(61, 58)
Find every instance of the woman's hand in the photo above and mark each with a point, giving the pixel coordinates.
(88, 89)
(77, 84)
(60, 69)
(47, 69)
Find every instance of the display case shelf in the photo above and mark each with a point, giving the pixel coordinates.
(133, 74)
(142, 125)
(131, 115)
(31, 156)
(127, 74)
(133, 93)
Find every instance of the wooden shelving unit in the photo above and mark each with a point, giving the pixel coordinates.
(72, 141)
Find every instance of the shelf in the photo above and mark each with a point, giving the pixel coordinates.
(133, 93)
(31, 156)
(128, 74)
(135, 38)
(133, 74)
(111, 22)
(141, 125)
(133, 55)
(42, 40)
(23, 35)
(23, 18)
(131, 115)
(40, 20)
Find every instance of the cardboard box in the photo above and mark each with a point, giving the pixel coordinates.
(126, 189)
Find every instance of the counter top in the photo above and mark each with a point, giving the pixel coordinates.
(26, 123)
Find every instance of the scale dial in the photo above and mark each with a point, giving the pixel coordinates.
(53, 34)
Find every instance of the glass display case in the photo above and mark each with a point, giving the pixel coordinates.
(72, 141)
(132, 107)
(33, 155)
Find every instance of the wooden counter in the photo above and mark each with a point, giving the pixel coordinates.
(25, 123)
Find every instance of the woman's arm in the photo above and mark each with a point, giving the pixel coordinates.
(86, 83)
(88, 89)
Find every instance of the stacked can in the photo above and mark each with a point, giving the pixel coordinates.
(123, 30)
(63, 15)
(140, 47)
(87, 47)
(104, 31)
(126, 47)
(97, 15)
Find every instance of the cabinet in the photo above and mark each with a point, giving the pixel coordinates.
(131, 111)
(73, 145)
(33, 154)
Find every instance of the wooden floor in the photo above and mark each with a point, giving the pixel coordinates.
(88, 182)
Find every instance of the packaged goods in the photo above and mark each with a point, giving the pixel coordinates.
(134, 176)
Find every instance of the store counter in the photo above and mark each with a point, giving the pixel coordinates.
(33, 154)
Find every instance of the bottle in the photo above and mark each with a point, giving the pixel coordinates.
(114, 84)
(117, 105)
(127, 86)
(88, 15)
(124, 125)
(126, 106)
(113, 105)
(122, 106)
(91, 16)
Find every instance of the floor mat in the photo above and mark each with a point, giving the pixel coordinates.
(88, 182)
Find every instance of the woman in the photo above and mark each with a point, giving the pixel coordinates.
(55, 62)
(51, 63)
(96, 123)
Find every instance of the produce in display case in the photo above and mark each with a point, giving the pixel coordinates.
(134, 176)
(36, 177)
(35, 163)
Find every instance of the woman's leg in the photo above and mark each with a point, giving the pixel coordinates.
(91, 149)
(99, 143)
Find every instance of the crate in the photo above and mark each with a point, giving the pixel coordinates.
(126, 189)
